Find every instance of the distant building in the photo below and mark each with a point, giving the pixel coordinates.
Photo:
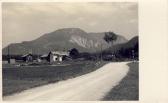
(54, 56)
(4, 62)
(44, 57)
(38, 60)
(11, 61)
(27, 57)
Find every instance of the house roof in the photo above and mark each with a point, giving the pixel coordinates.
(44, 55)
(26, 55)
(60, 52)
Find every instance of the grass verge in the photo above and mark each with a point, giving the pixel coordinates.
(128, 88)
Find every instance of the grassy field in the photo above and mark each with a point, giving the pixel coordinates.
(17, 79)
(128, 88)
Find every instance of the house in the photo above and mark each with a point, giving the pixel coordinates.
(44, 57)
(11, 61)
(54, 56)
(27, 57)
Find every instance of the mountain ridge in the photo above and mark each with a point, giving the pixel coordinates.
(128, 45)
(63, 39)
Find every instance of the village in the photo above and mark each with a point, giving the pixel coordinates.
(53, 57)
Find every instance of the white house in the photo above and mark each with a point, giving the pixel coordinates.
(54, 56)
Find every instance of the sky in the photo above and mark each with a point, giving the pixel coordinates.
(28, 21)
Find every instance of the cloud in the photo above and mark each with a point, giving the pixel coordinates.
(20, 20)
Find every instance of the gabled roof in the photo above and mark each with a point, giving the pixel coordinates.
(60, 52)
(26, 55)
(44, 55)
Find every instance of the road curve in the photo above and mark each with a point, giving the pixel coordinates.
(89, 87)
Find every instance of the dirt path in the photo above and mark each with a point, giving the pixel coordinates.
(91, 86)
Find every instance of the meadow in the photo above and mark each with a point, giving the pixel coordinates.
(19, 78)
(128, 88)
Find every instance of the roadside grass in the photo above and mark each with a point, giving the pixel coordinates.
(17, 79)
(128, 88)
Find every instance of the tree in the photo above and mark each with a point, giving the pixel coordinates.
(74, 53)
(110, 37)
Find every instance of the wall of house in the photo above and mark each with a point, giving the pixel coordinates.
(60, 58)
(53, 58)
(29, 59)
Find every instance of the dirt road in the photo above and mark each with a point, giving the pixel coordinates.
(88, 87)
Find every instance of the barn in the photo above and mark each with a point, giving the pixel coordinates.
(27, 57)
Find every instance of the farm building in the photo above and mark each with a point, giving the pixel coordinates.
(27, 57)
(54, 56)
(44, 57)
(11, 61)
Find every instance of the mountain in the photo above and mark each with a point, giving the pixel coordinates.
(131, 44)
(62, 39)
